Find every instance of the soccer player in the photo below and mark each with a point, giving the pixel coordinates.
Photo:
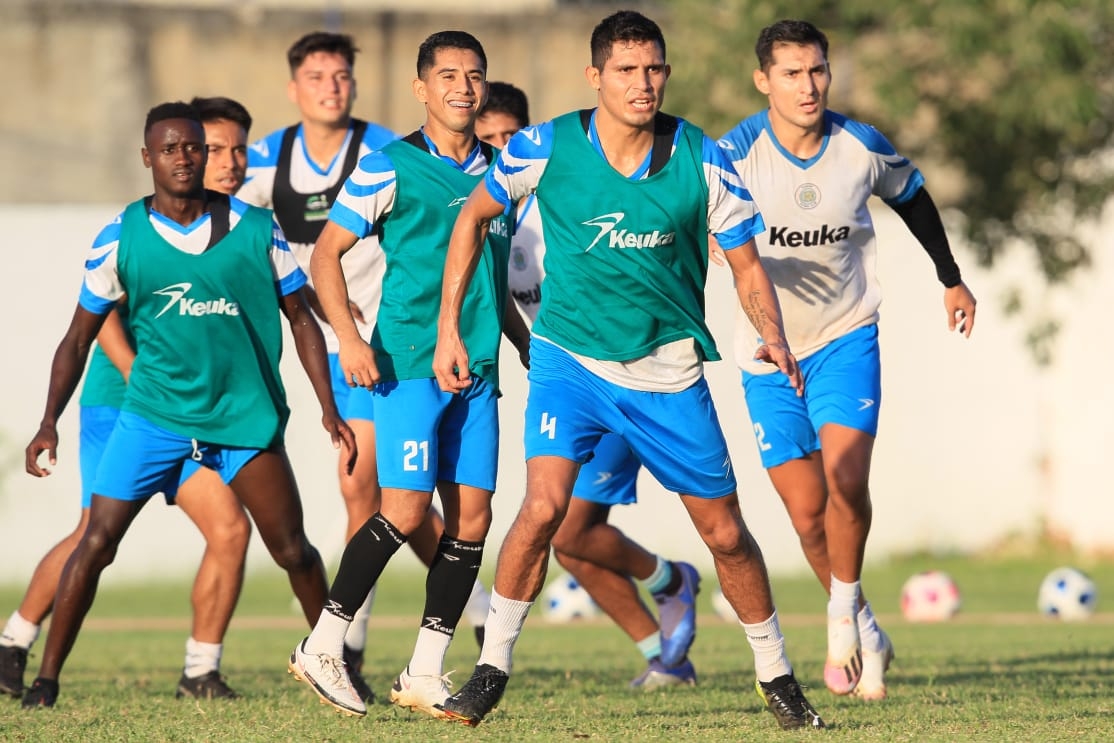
(811, 172)
(628, 196)
(203, 277)
(298, 171)
(601, 557)
(410, 193)
(201, 495)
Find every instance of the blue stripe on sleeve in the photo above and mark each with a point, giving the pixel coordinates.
(291, 282)
(871, 138)
(914, 184)
(495, 188)
(264, 153)
(348, 219)
(91, 302)
(741, 233)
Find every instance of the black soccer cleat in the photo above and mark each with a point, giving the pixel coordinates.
(43, 693)
(354, 662)
(13, 662)
(784, 698)
(477, 697)
(207, 686)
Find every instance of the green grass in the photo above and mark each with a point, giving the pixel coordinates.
(997, 672)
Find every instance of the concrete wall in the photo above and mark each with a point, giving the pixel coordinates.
(80, 76)
(975, 444)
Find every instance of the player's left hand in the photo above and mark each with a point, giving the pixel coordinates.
(780, 355)
(342, 437)
(960, 305)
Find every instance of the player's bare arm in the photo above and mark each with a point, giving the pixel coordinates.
(356, 357)
(450, 359)
(310, 344)
(114, 342)
(65, 372)
(760, 304)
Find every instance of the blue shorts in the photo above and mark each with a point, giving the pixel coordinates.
(140, 459)
(610, 477)
(353, 403)
(425, 435)
(97, 423)
(843, 385)
(676, 435)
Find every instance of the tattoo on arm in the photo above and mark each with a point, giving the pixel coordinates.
(754, 312)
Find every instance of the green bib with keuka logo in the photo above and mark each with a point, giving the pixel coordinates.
(208, 332)
(415, 238)
(625, 261)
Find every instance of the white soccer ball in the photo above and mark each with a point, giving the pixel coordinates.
(723, 607)
(564, 600)
(931, 596)
(1067, 594)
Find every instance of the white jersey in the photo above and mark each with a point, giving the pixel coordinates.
(819, 246)
(525, 274)
(364, 264)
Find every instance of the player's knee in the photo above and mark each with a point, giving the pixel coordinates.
(97, 548)
(847, 481)
(294, 555)
(729, 538)
(230, 537)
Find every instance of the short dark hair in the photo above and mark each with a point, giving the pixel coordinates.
(218, 107)
(448, 40)
(505, 98)
(321, 41)
(787, 32)
(171, 110)
(626, 25)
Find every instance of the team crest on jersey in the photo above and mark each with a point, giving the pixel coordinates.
(518, 259)
(808, 196)
(317, 207)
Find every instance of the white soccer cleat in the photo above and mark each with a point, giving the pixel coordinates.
(872, 685)
(421, 693)
(844, 665)
(328, 677)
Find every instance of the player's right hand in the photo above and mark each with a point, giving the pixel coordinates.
(358, 362)
(45, 440)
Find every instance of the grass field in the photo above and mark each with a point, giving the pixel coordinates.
(998, 672)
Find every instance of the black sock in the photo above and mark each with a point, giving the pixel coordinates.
(368, 552)
(675, 580)
(449, 583)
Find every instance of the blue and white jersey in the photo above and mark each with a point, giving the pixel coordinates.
(363, 264)
(369, 193)
(102, 288)
(819, 245)
(526, 271)
(732, 215)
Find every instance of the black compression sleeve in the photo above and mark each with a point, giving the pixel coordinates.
(923, 219)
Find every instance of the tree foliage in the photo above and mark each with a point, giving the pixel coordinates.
(1014, 98)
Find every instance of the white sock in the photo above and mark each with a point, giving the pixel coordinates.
(844, 601)
(504, 624)
(870, 634)
(20, 633)
(656, 581)
(429, 653)
(650, 646)
(356, 636)
(202, 657)
(327, 637)
(768, 644)
(475, 611)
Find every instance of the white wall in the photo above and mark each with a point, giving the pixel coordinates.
(965, 423)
